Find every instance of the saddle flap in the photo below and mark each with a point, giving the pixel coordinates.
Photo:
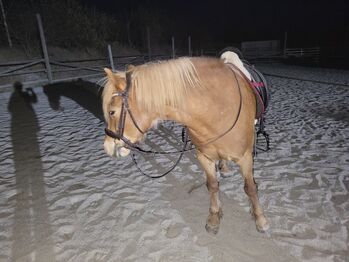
(260, 88)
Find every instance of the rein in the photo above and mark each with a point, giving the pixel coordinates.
(185, 141)
(119, 134)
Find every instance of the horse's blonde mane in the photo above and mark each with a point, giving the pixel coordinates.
(164, 83)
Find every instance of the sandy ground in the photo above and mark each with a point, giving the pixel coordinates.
(63, 199)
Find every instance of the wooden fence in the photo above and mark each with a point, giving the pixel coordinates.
(288, 54)
(302, 52)
(44, 70)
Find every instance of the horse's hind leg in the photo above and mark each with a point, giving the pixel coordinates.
(246, 166)
(213, 220)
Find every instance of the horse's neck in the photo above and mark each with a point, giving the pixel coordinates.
(170, 114)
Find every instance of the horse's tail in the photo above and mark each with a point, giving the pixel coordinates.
(233, 58)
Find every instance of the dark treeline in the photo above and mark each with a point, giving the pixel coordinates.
(211, 24)
(67, 24)
(76, 24)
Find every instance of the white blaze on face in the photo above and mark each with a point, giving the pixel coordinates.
(232, 58)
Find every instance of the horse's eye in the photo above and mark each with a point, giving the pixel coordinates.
(111, 113)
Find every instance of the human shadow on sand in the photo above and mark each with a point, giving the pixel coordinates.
(31, 229)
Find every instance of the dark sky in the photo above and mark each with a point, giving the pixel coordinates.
(308, 22)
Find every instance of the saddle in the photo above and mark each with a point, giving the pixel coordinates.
(260, 87)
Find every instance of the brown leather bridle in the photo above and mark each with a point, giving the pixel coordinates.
(125, 108)
(119, 133)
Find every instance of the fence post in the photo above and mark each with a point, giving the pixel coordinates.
(149, 47)
(111, 61)
(189, 46)
(5, 24)
(44, 48)
(173, 47)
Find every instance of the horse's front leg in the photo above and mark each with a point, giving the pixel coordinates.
(215, 211)
(246, 167)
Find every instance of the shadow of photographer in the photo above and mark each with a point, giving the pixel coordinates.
(31, 228)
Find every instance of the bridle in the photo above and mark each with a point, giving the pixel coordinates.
(119, 134)
(125, 108)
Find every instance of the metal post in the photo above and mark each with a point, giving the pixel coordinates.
(189, 46)
(44, 49)
(149, 48)
(5, 24)
(173, 48)
(111, 61)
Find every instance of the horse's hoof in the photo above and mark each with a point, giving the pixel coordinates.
(212, 222)
(262, 225)
(212, 229)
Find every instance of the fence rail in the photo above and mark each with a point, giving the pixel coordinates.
(302, 52)
(261, 55)
(64, 70)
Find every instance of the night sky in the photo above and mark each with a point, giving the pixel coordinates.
(307, 22)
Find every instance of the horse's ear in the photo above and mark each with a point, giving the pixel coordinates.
(110, 75)
(114, 79)
(130, 68)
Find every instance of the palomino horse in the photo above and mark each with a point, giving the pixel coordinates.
(212, 99)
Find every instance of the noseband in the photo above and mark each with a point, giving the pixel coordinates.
(119, 134)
